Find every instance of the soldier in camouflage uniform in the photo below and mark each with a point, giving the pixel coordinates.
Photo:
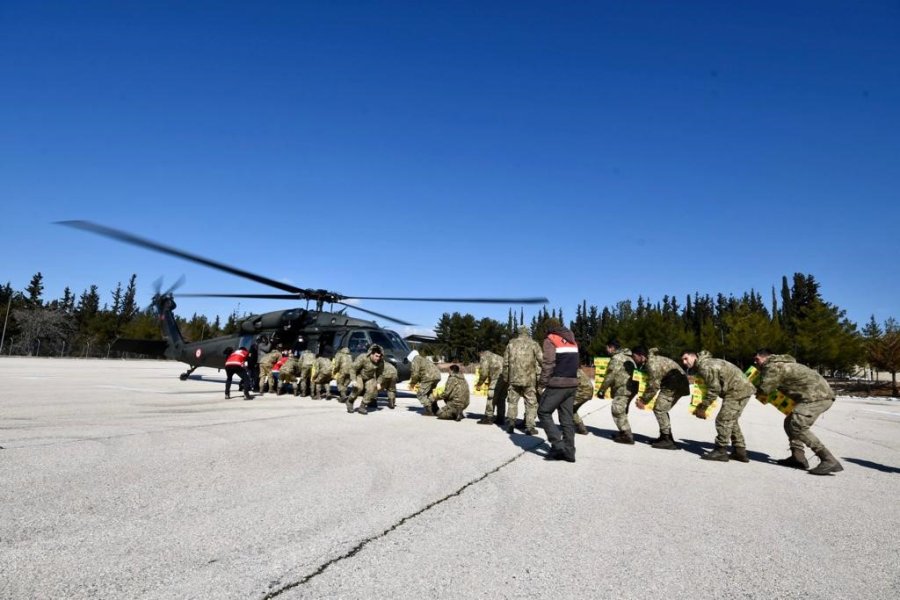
(583, 393)
(322, 380)
(456, 396)
(490, 370)
(521, 368)
(268, 360)
(290, 370)
(426, 375)
(665, 376)
(619, 379)
(388, 384)
(307, 363)
(812, 396)
(728, 382)
(367, 370)
(341, 372)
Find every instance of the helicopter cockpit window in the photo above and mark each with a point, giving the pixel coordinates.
(358, 342)
(390, 341)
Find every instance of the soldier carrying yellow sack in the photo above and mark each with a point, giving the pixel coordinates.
(812, 396)
(426, 375)
(341, 371)
(665, 376)
(726, 381)
(367, 370)
(266, 362)
(490, 370)
(322, 378)
(455, 395)
(619, 381)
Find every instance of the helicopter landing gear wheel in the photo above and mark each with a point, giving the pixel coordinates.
(186, 374)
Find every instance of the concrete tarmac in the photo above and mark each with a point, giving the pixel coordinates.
(117, 480)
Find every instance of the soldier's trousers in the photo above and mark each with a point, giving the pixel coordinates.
(664, 403)
(728, 430)
(619, 408)
(450, 411)
(389, 387)
(305, 380)
(424, 390)
(369, 390)
(797, 424)
(496, 397)
(265, 377)
(578, 404)
(342, 380)
(512, 404)
(561, 401)
(321, 387)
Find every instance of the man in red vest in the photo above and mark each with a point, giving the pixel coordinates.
(236, 364)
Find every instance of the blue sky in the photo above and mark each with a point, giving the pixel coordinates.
(580, 150)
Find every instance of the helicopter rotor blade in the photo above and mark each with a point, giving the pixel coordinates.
(473, 300)
(372, 312)
(257, 296)
(178, 283)
(134, 240)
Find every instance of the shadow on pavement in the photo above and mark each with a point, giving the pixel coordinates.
(872, 465)
(610, 433)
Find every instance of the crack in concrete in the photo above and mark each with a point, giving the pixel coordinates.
(365, 542)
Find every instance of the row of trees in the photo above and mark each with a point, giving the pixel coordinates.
(796, 320)
(84, 325)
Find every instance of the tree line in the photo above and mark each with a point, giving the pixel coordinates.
(796, 319)
(85, 325)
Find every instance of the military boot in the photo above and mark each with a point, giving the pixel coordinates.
(718, 453)
(531, 431)
(665, 442)
(739, 454)
(362, 409)
(624, 437)
(796, 460)
(486, 420)
(392, 402)
(349, 405)
(460, 416)
(581, 429)
(428, 412)
(510, 426)
(828, 465)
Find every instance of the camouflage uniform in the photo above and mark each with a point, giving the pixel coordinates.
(584, 393)
(341, 371)
(665, 376)
(619, 380)
(322, 378)
(490, 370)
(289, 372)
(456, 396)
(366, 375)
(426, 375)
(811, 394)
(388, 383)
(265, 370)
(728, 382)
(521, 368)
(307, 362)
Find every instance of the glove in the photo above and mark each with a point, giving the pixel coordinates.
(352, 384)
(700, 412)
(639, 404)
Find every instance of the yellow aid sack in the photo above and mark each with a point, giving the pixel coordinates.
(699, 391)
(601, 363)
(776, 398)
(641, 377)
(483, 388)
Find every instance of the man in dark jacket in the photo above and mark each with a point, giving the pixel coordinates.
(559, 381)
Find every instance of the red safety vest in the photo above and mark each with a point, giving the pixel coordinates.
(237, 358)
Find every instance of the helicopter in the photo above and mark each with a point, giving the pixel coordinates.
(296, 329)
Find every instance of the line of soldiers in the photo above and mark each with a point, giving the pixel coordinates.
(514, 377)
